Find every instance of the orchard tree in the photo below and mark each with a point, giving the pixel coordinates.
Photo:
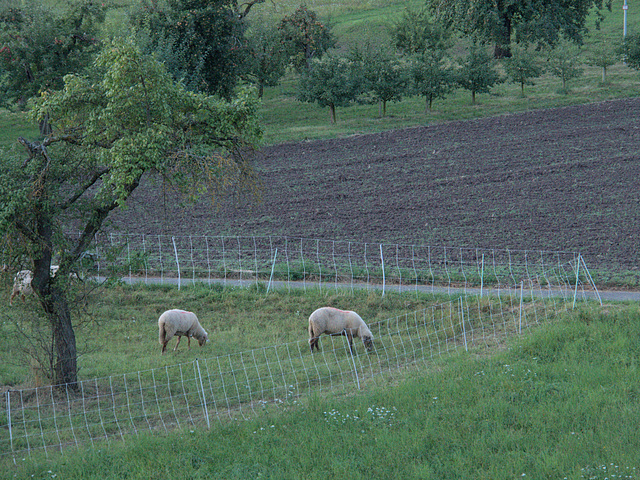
(477, 72)
(501, 21)
(201, 41)
(39, 45)
(110, 127)
(603, 55)
(523, 66)
(432, 76)
(331, 82)
(416, 32)
(266, 57)
(564, 62)
(305, 37)
(630, 50)
(384, 77)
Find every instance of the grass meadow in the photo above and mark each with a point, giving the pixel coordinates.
(560, 401)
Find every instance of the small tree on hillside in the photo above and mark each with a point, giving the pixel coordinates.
(110, 128)
(477, 73)
(305, 37)
(431, 76)
(385, 78)
(331, 82)
(604, 55)
(523, 66)
(564, 62)
(267, 59)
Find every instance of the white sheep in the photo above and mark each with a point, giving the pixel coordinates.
(22, 282)
(180, 323)
(21, 285)
(333, 321)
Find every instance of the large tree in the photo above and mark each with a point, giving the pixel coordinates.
(305, 37)
(497, 21)
(416, 32)
(39, 45)
(201, 41)
(267, 58)
(110, 128)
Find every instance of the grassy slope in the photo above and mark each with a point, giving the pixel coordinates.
(560, 402)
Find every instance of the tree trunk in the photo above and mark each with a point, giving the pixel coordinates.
(53, 298)
(503, 38)
(65, 367)
(332, 108)
(45, 126)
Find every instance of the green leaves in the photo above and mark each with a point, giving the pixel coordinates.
(40, 45)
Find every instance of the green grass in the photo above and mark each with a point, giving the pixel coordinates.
(559, 402)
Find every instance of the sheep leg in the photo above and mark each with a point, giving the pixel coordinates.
(164, 347)
(177, 343)
(189, 341)
(313, 342)
(350, 338)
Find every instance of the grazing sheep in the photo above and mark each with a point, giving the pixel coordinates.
(333, 321)
(21, 285)
(180, 323)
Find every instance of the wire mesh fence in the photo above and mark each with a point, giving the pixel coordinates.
(237, 385)
(303, 262)
(501, 292)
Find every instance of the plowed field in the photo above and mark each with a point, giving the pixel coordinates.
(557, 179)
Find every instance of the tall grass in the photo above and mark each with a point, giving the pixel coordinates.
(560, 402)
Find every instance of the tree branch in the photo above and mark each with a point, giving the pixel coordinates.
(83, 188)
(247, 7)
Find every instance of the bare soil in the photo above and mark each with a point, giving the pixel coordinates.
(556, 179)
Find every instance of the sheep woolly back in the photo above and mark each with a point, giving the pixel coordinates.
(332, 321)
(180, 322)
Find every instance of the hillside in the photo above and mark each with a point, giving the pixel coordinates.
(555, 179)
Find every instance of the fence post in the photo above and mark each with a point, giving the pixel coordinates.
(9, 422)
(575, 292)
(464, 329)
(482, 276)
(273, 266)
(175, 251)
(520, 319)
(204, 399)
(383, 275)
